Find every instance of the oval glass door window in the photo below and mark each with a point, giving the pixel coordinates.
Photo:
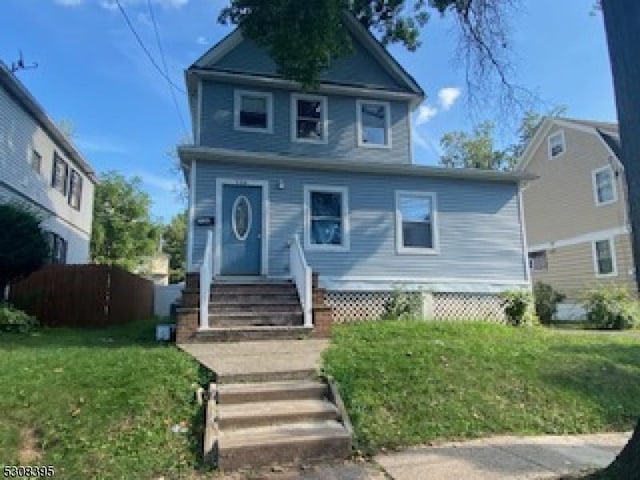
(241, 217)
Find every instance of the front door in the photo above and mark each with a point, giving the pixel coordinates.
(241, 230)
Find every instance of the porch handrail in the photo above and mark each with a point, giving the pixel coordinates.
(301, 275)
(206, 276)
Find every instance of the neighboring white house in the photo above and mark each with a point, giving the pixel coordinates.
(40, 168)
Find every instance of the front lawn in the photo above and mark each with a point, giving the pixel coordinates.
(407, 382)
(98, 403)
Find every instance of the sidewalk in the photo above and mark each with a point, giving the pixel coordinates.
(501, 458)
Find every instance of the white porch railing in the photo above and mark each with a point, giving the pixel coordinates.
(301, 274)
(206, 276)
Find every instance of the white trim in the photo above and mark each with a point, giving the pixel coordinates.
(217, 254)
(410, 127)
(324, 116)
(346, 230)
(192, 199)
(523, 233)
(359, 131)
(559, 133)
(432, 284)
(585, 238)
(400, 248)
(237, 102)
(614, 263)
(594, 182)
(197, 128)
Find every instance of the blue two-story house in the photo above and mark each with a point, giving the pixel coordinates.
(284, 181)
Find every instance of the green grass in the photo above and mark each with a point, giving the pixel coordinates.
(409, 382)
(98, 403)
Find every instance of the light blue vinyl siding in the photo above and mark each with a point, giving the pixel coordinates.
(217, 128)
(478, 223)
(358, 68)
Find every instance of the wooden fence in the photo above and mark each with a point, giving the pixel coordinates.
(83, 296)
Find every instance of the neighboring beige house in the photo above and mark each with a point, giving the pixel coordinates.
(576, 216)
(40, 168)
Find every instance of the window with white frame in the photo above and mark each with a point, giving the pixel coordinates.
(538, 261)
(75, 189)
(309, 118)
(253, 111)
(374, 124)
(326, 217)
(604, 187)
(416, 222)
(604, 258)
(556, 145)
(36, 161)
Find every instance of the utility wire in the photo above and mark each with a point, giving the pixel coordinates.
(166, 70)
(146, 51)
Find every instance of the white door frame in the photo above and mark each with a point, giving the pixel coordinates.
(264, 254)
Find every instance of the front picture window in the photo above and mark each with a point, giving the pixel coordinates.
(326, 219)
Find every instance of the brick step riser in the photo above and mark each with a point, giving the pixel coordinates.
(278, 317)
(271, 420)
(239, 336)
(261, 308)
(283, 453)
(312, 393)
(236, 323)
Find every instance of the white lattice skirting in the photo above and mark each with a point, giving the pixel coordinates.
(353, 306)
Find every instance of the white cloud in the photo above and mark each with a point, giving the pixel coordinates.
(447, 97)
(202, 40)
(426, 113)
(69, 3)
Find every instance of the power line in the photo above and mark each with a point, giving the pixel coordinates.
(146, 51)
(166, 70)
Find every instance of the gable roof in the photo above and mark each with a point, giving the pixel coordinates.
(19, 92)
(406, 83)
(607, 132)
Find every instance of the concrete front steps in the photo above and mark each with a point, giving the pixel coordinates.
(252, 425)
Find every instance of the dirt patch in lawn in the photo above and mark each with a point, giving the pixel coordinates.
(29, 452)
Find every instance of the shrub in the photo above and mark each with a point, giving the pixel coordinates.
(546, 301)
(403, 305)
(518, 307)
(611, 308)
(14, 320)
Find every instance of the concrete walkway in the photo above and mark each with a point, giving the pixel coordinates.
(501, 458)
(255, 359)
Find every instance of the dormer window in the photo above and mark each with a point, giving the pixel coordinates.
(374, 122)
(253, 111)
(557, 145)
(309, 118)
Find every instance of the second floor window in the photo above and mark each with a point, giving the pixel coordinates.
(75, 189)
(373, 124)
(36, 161)
(59, 174)
(253, 111)
(309, 118)
(604, 186)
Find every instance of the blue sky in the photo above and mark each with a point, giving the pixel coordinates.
(93, 73)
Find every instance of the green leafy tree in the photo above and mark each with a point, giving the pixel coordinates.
(475, 150)
(123, 232)
(174, 244)
(23, 247)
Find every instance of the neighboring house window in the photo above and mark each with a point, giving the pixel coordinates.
(416, 222)
(604, 186)
(253, 111)
(36, 161)
(57, 248)
(326, 217)
(374, 124)
(60, 174)
(309, 118)
(604, 258)
(557, 144)
(538, 261)
(75, 189)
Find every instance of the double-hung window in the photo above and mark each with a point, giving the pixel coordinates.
(57, 248)
(60, 174)
(326, 217)
(416, 231)
(253, 111)
(604, 187)
(309, 118)
(75, 189)
(538, 261)
(604, 258)
(556, 144)
(374, 124)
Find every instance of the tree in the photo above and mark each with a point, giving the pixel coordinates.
(23, 247)
(622, 23)
(123, 232)
(174, 244)
(476, 150)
